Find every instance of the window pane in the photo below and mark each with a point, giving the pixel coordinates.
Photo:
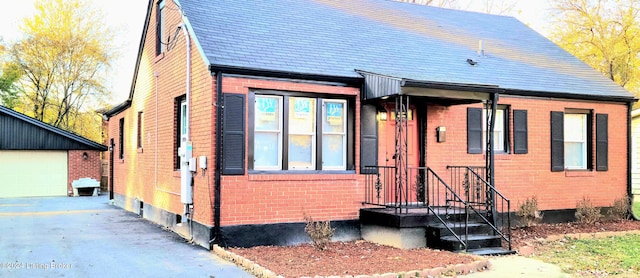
(333, 153)
(183, 118)
(266, 151)
(574, 155)
(302, 115)
(301, 149)
(498, 129)
(574, 127)
(267, 113)
(333, 120)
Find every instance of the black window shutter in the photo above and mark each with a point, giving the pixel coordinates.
(520, 132)
(368, 138)
(557, 141)
(474, 130)
(233, 140)
(602, 142)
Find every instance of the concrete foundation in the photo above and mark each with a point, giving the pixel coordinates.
(404, 238)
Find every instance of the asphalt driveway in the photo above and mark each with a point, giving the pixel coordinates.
(87, 237)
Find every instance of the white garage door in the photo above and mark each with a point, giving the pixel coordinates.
(33, 173)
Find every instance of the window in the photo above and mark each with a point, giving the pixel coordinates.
(292, 132)
(572, 140)
(267, 147)
(180, 137)
(500, 131)
(575, 141)
(160, 27)
(334, 134)
(302, 133)
(477, 130)
(121, 139)
(140, 134)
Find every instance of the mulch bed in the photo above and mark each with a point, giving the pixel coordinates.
(366, 258)
(348, 258)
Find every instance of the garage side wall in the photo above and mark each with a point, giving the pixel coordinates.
(79, 167)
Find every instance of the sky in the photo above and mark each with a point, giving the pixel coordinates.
(127, 18)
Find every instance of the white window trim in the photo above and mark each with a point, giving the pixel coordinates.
(501, 147)
(343, 133)
(583, 142)
(278, 131)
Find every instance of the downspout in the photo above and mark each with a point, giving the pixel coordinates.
(188, 112)
(185, 173)
(629, 153)
(217, 192)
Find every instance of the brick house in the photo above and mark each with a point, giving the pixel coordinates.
(378, 115)
(40, 160)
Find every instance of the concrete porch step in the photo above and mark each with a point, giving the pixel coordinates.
(489, 251)
(474, 241)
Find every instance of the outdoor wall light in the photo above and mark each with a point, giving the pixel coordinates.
(441, 134)
(85, 156)
(382, 116)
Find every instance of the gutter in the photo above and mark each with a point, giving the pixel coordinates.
(629, 153)
(216, 183)
(354, 81)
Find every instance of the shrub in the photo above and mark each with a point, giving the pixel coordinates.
(620, 209)
(586, 212)
(529, 213)
(320, 232)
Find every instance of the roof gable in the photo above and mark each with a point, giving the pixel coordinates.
(334, 38)
(21, 132)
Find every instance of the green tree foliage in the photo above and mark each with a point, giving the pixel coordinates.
(63, 59)
(9, 74)
(605, 34)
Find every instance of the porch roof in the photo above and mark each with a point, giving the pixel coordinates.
(377, 86)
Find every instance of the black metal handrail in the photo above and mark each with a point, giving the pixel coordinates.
(484, 199)
(433, 186)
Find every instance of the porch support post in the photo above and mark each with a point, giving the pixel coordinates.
(491, 104)
(401, 152)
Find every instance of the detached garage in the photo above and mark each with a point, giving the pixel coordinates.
(37, 159)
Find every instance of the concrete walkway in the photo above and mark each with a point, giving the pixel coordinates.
(518, 266)
(87, 237)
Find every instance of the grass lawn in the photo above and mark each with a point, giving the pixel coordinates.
(618, 256)
(636, 207)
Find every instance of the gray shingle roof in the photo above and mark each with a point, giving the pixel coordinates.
(336, 37)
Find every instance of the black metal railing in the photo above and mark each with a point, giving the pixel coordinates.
(446, 205)
(380, 187)
(483, 199)
(467, 195)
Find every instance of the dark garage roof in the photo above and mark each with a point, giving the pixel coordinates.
(408, 41)
(21, 132)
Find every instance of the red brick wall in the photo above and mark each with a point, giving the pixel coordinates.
(519, 176)
(136, 176)
(81, 168)
(275, 198)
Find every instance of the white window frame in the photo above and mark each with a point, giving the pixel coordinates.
(312, 133)
(343, 133)
(583, 141)
(279, 131)
(497, 147)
